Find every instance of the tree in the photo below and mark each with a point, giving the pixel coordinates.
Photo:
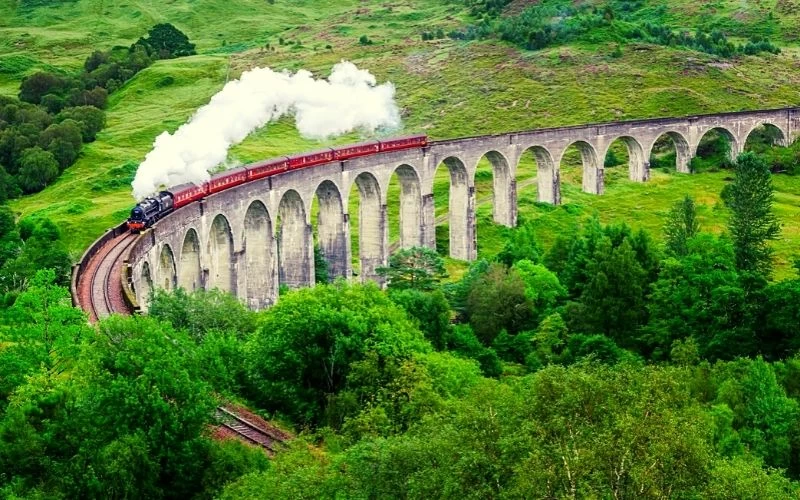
(497, 301)
(418, 268)
(90, 119)
(521, 244)
(201, 312)
(681, 226)
(64, 140)
(8, 186)
(37, 169)
(614, 298)
(166, 41)
(431, 311)
(779, 326)
(542, 287)
(303, 353)
(701, 296)
(752, 223)
(321, 275)
(37, 85)
(45, 333)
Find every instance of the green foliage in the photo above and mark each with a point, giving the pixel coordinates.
(753, 223)
(763, 417)
(779, 326)
(520, 244)
(431, 311)
(497, 301)
(129, 420)
(321, 274)
(42, 332)
(556, 22)
(165, 41)
(681, 226)
(464, 342)
(32, 245)
(37, 168)
(228, 460)
(700, 296)
(511, 439)
(303, 353)
(90, 119)
(201, 312)
(458, 293)
(417, 268)
(542, 287)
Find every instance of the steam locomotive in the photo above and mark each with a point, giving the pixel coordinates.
(149, 210)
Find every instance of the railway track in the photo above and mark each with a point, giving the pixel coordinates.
(250, 431)
(99, 288)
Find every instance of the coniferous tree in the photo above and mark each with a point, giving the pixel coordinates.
(752, 223)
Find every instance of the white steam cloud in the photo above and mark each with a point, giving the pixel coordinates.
(349, 99)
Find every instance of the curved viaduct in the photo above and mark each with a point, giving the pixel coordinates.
(250, 239)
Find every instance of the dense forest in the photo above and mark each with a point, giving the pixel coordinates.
(607, 365)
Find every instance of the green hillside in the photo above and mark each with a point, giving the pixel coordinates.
(445, 87)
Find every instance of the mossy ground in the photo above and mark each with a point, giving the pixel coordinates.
(445, 88)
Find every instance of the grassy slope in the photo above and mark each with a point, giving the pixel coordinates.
(445, 88)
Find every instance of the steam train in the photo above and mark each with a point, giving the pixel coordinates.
(149, 210)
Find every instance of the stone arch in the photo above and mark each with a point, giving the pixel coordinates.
(683, 152)
(779, 136)
(220, 255)
(372, 234)
(504, 190)
(410, 212)
(592, 170)
(259, 270)
(331, 234)
(548, 178)
(145, 286)
(734, 146)
(461, 210)
(638, 163)
(295, 250)
(167, 275)
(189, 274)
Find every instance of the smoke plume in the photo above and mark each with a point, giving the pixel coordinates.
(349, 99)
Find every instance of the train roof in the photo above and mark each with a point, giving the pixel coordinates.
(403, 137)
(180, 188)
(264, 163)
(355, 145)
(227, 173)
(309, 153)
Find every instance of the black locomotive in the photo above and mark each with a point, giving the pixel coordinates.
(149, 210)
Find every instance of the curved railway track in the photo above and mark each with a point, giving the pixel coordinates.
(100, 288)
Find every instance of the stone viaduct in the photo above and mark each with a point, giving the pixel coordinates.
(250, 239)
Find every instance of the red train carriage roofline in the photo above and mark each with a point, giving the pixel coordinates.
(187, 193)
(227, 179)
(266, 168)
(356, 150)
(407, 142)
(312, 158)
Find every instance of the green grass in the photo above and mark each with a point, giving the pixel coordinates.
(445, 88)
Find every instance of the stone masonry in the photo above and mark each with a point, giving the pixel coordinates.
(250, 239)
